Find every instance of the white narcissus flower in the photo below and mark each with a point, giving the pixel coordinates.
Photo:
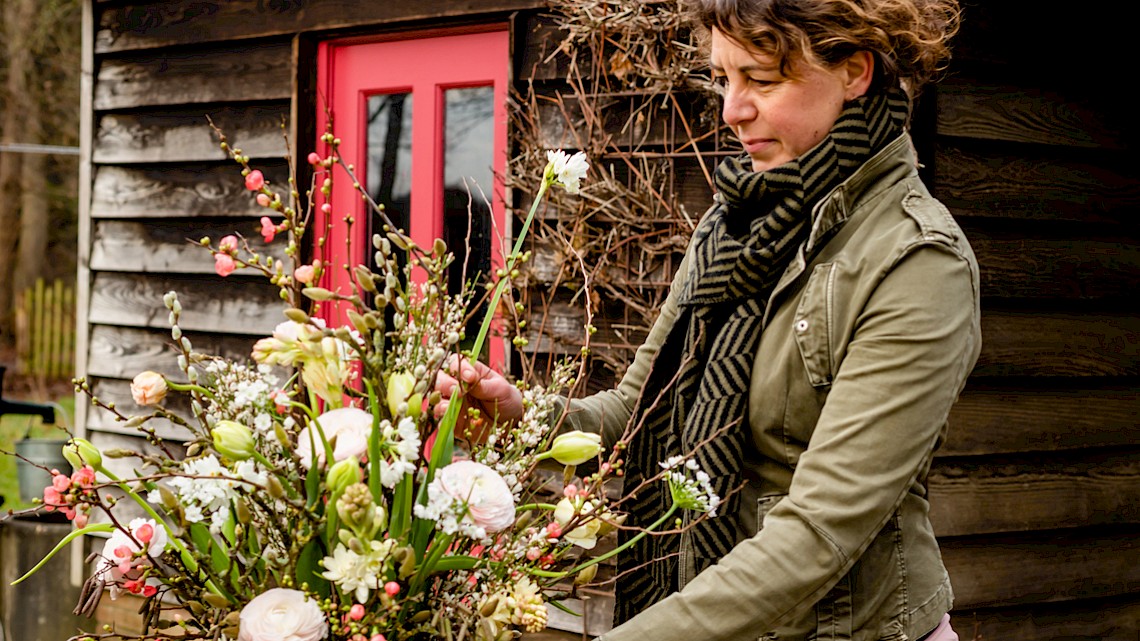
(566, 170)
(280, 614)
(350, 425)
(585, 535)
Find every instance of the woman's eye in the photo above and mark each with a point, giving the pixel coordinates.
(761, 82)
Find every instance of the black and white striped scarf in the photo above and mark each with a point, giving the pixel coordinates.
(741, 248)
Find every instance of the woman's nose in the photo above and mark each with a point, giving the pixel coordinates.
(737, 108)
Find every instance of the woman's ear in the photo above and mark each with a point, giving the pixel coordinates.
(859, 71)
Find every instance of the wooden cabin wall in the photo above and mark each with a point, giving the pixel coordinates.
(1029, 142)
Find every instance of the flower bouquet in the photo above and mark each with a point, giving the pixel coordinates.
(324, 492)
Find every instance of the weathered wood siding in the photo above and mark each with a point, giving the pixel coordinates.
(1035, 495)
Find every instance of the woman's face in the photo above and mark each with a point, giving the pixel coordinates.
(776, 117)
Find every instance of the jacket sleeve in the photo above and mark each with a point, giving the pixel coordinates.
(912, 347)
(608, 412)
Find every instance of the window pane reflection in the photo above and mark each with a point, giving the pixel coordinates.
(468, 154)
(390, 155)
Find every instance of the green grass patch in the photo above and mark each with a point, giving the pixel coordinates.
(14, 427)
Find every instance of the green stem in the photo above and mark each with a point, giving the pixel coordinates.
(425, 569)
(533, 506)
(612, 553)
(190, 387)
(443, 442)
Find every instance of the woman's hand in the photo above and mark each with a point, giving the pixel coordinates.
(486, 390)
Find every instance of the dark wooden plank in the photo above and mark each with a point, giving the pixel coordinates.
(987, 495)
(165, 245)
(1041, 418)
(180, 191)
(1033, 184)
(973, 108)
(237, 73)
(1017, 265)
(1027, 343)
(123, 352)
(185, 135)
(1045, 567)
(213, 304)
(1113, 619)
(143, 25)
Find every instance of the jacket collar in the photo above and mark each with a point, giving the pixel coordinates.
(891, 164)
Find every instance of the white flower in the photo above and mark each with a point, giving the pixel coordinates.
(585, 535)
(148, 388)
(123, 558)
(694, 493)
(205, 496)
(567, 170)
(281, 614)
(470, 498)
(392, 473)
(358, 573)
(350, 426)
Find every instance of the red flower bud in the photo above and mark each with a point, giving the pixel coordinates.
(255, 180)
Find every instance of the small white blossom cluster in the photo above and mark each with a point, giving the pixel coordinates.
(690, 492)
(209, 498)
(402, 441)
(517, 450)
(242, 394)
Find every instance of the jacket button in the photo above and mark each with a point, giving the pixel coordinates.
(801, 326)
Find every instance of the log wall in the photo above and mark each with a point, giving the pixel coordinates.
(1028, 142)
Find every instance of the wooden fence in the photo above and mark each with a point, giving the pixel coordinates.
(45, 330)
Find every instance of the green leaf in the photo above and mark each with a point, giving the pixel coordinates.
(458, 562)
(308, 568)
(401, 513)
(98, 527)
(218, 551)
(560, 606)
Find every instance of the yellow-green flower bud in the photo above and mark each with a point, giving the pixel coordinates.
(80, 452)
(233, 440)
(342, 474)
(401, 388)
(575, 448)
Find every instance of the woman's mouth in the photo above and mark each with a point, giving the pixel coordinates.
(755, 146)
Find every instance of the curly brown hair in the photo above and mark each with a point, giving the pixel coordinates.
(908, 38)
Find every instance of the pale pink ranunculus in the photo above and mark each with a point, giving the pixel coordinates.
(351, 426)
(490, 504)
(148, 388)
(224, 264)
(268, 229)
(255, 180)
(305, 274)
(281, 614)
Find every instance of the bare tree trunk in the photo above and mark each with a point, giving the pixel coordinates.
(34, 223)
(19, 21)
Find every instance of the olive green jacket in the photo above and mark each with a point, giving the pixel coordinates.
(869, 337)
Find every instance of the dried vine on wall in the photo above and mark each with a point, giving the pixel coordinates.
(624, 81)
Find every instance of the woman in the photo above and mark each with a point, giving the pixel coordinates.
(821, 326)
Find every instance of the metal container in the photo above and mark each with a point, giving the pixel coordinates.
(46, 452)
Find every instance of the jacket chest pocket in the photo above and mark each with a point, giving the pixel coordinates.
(813, 322)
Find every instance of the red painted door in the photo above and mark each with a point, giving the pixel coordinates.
(424, 122)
